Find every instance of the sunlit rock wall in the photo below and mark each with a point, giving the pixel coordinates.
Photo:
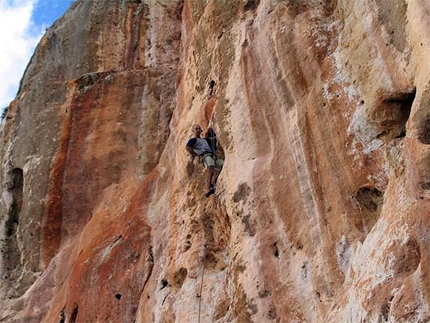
(322, 208)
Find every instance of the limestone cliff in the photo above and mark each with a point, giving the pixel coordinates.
(322, 110)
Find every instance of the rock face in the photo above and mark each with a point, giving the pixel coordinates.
(322, 110)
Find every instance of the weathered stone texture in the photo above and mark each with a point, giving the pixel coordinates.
(322, 111)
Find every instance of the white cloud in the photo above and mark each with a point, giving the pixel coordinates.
(19, 38)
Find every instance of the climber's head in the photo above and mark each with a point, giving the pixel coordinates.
(197, 130)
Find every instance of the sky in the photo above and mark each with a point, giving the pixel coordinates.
(22, 24)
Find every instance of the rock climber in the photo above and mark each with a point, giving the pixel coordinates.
(205, 150)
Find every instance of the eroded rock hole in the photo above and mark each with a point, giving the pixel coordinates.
(393, 114)
(164, 283)
(370, 201)
(249, 226)
(425, 185)
(251, 4)
(424, 134)
(275, 250)
(272, 314)
(187, 245)
(369, 198)
(408, 258)
(118, 296)
(211, 88)
(242, 192)
(180, 277)
(211, 260)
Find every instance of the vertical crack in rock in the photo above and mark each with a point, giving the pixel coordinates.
(135, 10)
(74, 314)
(53, 215)
(63, 316)
(12, 265)
(240, 306)
(211, 88)
(385, 310)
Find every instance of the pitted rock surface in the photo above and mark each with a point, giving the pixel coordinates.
(322, 208)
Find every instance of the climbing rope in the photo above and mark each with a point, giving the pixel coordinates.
(199, 295)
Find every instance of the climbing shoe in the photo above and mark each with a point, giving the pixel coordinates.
(210, 192)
